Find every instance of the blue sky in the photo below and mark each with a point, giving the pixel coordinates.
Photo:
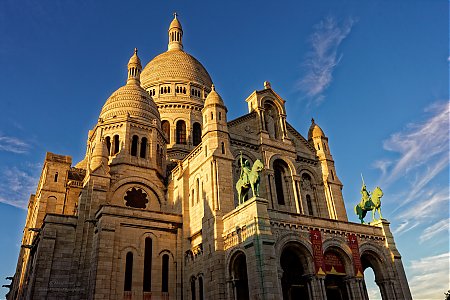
(373, 74)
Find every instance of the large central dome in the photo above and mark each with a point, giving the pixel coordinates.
(174, 65)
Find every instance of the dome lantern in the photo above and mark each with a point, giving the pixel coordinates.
(134, 68)
(175, 34)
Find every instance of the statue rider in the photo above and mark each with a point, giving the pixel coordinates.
(365, 197)
(245, 170)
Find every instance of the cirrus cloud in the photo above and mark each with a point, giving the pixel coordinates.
(323, 57)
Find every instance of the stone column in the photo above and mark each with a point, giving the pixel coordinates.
(317, 284)
(269, 190)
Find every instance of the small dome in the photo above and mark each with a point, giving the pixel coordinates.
(174, 65)
(134, 60)
(213, 98)
(315, 131)
(175, 23)
(132, 100)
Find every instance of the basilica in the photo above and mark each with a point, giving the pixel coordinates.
(174, 201)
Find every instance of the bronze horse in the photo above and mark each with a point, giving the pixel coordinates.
(373, 203)
(243, 186)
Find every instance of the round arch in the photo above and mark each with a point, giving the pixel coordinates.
(237, 270)
(287, 160)
(274, 102)
(157, 191)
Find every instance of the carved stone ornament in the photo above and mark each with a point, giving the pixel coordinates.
(136, 197)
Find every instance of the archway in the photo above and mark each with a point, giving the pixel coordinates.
(373, 267)
(239, 278)
(293, 281)
(335, 269)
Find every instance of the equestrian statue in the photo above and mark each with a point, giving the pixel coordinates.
(369, 202)
(248, 179)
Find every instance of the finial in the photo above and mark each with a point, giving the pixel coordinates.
(135, 50)
(267, 85)
(212, 87)
(175, 15)
(312, 121)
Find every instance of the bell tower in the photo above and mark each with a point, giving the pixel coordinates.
(332, 184)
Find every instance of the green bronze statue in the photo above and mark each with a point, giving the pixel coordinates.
(248, 179)
(369, 202)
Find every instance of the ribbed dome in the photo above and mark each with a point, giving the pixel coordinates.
(213, 98)
(315, 131)
(130, 99)
(174, 65)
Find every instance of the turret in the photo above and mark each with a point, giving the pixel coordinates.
(175, 34)
(134, 68)
(214, 113)
(100, 154)
(332, 184)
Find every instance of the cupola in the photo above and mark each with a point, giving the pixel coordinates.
(134, 68)
(175, 34)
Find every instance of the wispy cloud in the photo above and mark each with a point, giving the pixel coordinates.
(428, 204)
(323, 57)
(12, 144)
(429, 278)
(17, 185)
(421, 145)
(435, 229)
(404, 227)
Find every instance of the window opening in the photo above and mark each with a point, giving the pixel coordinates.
(134, 145)
(165, 273)
(148, 265)
(128, 271)
(116, 144)
(197, 134)
(181, 132)
(143, 152)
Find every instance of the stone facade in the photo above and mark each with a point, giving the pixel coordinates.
(152, 211)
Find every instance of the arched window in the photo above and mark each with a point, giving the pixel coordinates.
(143, 152)
(198, 190)
(184, 90)
(166, 129)
(200, 288)
(223, 148)
(238, 270)
(165, 273)
(56, 177)
(193, 292)
(128, 272)
(220, 116)
(116, 145)
(168, 89)
(148, 265)
(108, 144)
(196, 134)
(332, 175)
(280, 171)
(134, 145)
(181, 132)
(310, 205)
